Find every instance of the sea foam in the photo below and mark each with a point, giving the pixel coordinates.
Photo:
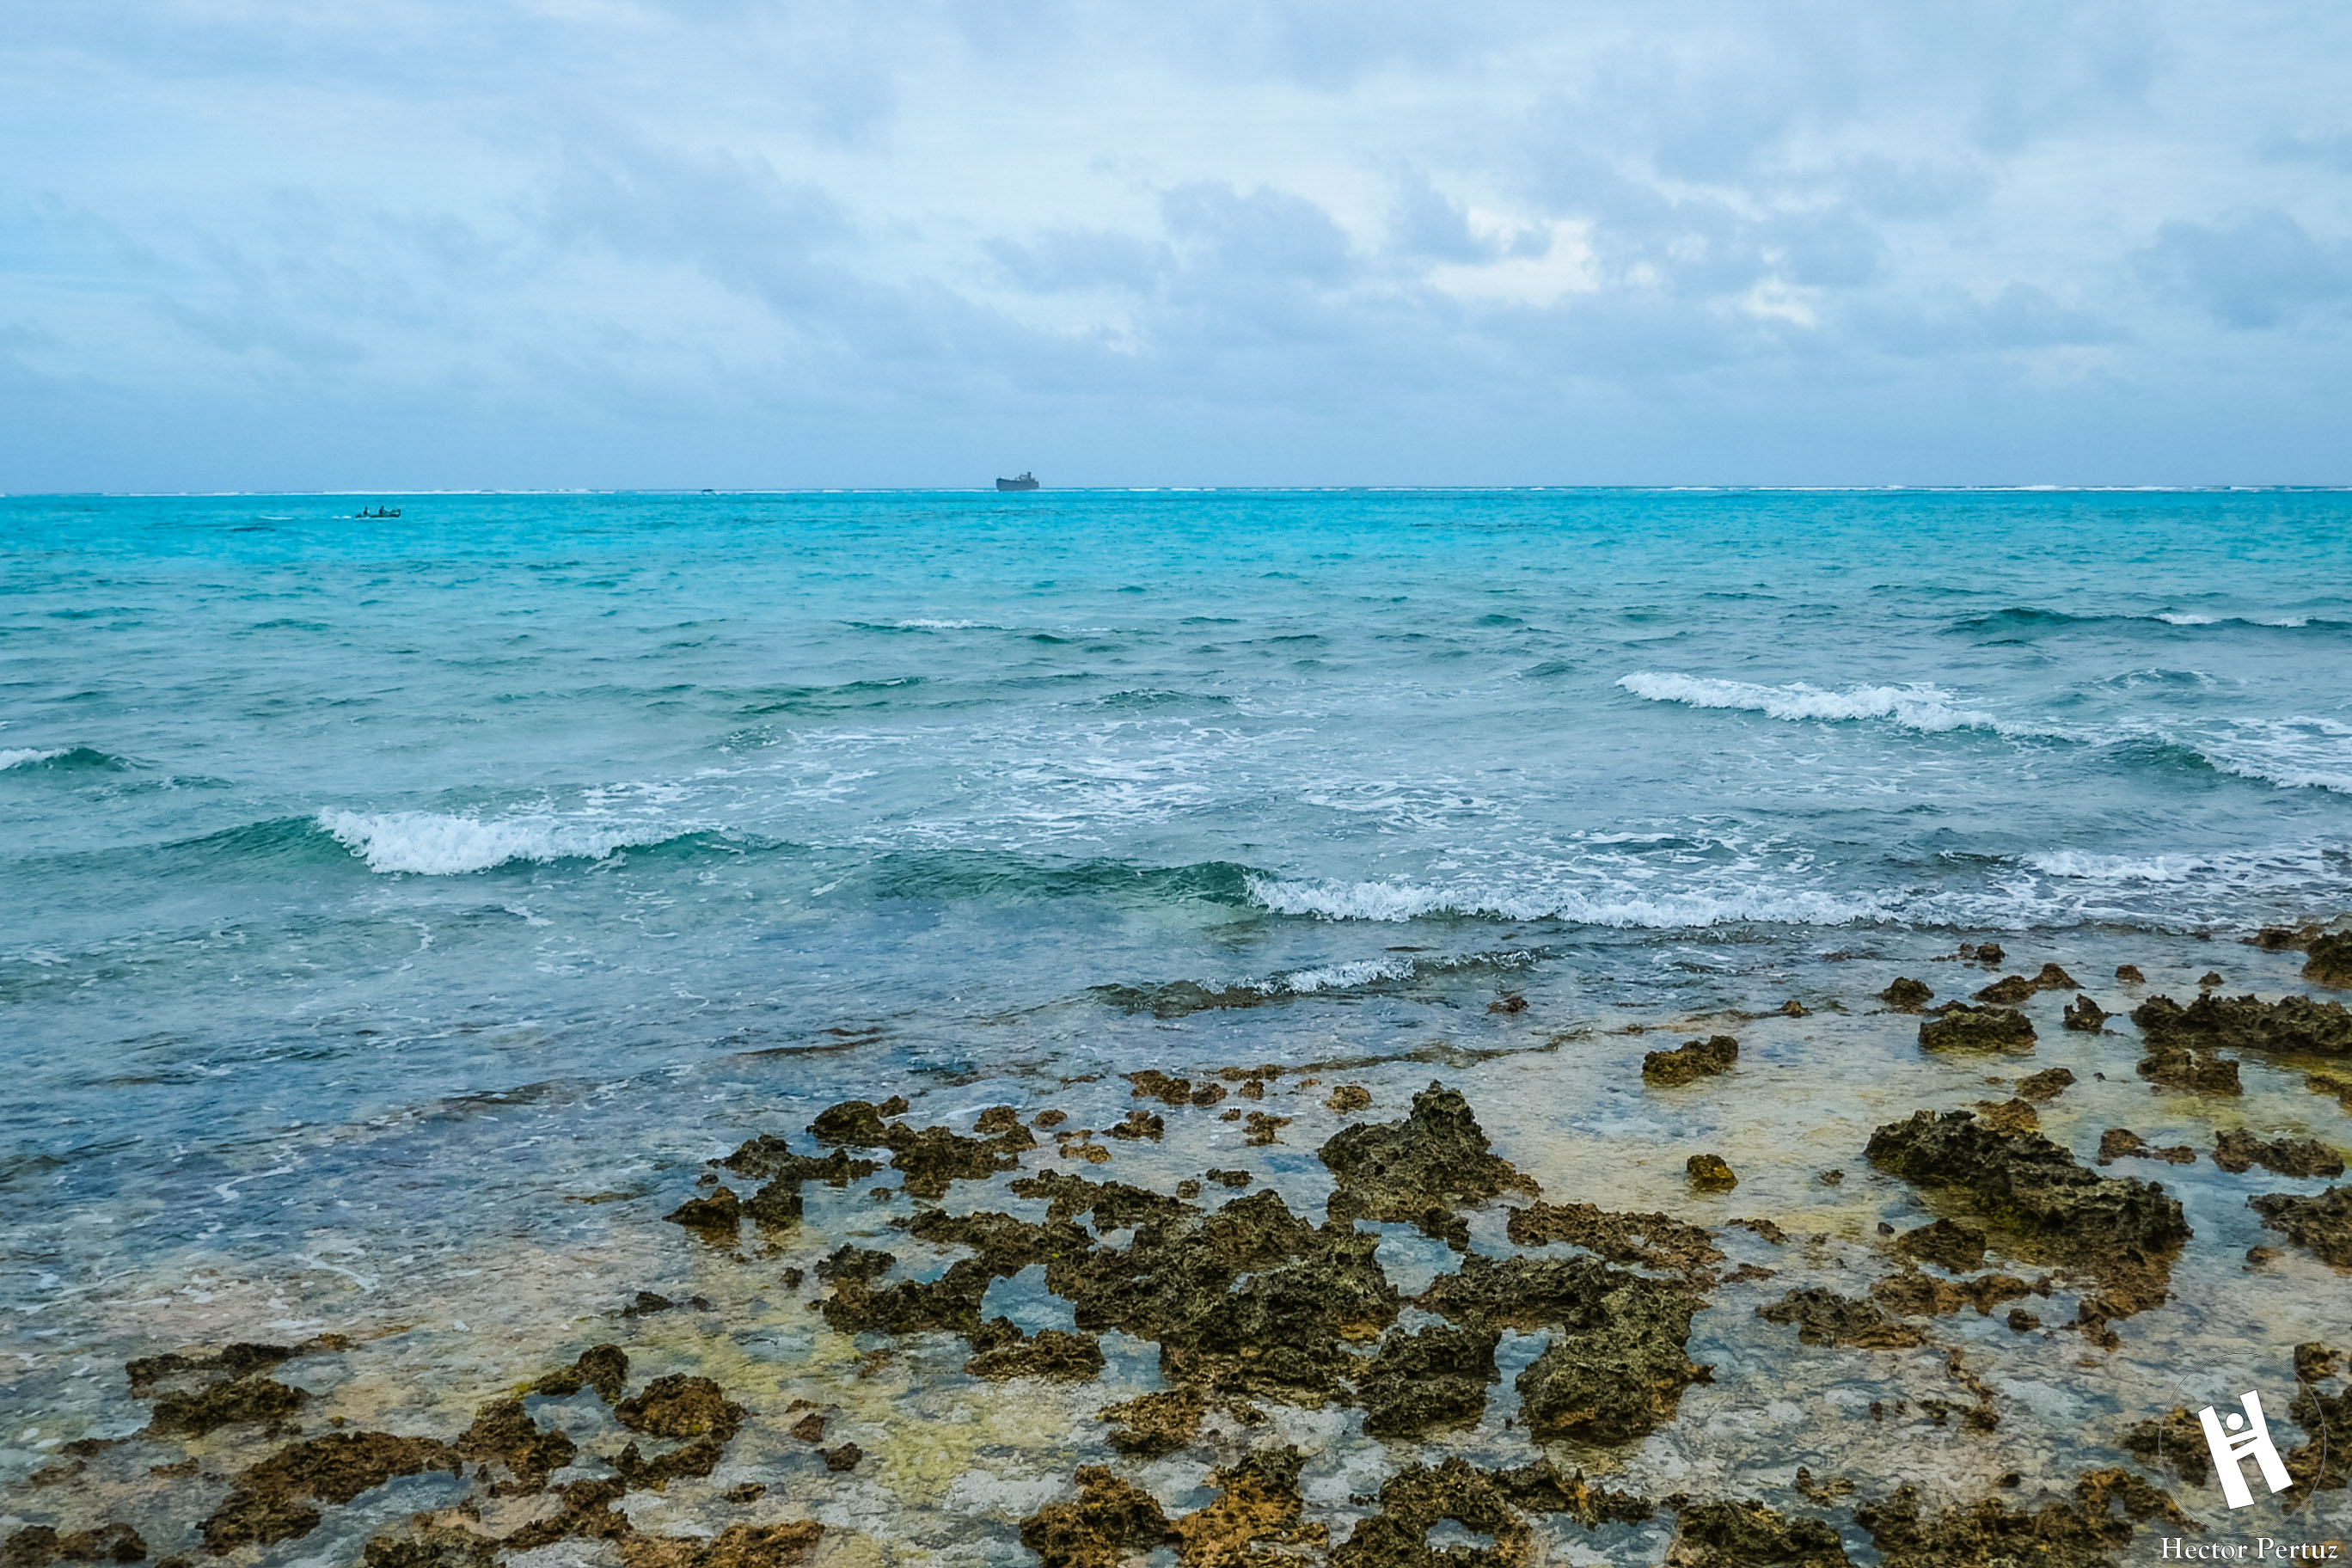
(431, 844)
(1918, 707)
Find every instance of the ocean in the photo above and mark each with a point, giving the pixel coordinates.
(368, 886)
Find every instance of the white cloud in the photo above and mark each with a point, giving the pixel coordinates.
(1242, 240)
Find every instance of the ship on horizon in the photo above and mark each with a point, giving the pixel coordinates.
(1027, 482)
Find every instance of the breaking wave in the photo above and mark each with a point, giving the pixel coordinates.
(431, 844)
(1918, 707)
(1398, 901)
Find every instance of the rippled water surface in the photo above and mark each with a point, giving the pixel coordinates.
(368, 887)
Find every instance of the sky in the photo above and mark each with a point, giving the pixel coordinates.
(545, 244)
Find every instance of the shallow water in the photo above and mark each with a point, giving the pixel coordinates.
(372, 888)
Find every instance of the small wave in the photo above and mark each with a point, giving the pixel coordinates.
(1918, 707)
(59, 758)
(430, 844)
(2078, 866)
(1397, 901)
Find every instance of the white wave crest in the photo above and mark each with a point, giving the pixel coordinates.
(1918, 707)
(1336, 977)
(2077, 866)
(430, 844)
(2296, 753)
(21, 755)
(1333, 900)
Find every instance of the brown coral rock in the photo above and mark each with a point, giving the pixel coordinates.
(2322, 1225)
(1418, 1171)
(1691, 1061)
(1748, 1534)
(2237, 1149)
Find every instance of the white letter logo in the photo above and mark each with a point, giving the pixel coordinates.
(2231, 1447)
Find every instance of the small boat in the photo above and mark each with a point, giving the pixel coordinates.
(1025, 482)
(379, 511)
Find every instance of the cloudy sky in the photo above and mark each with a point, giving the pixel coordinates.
(252, 244)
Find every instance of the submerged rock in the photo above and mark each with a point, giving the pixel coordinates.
(1419, 1171)
(1691, 1061)
(2173, 1441)
(679, 1405)
(737, 1546)
(1749, 1535)
(272, 1500)
(233, 1361)
(236, 1400)
(502, 1431)
(1645, 1240)
(1000, 1350)
(38, 1545)
(2176, 1067)
(2122, 1143)
(2292, 1026)
(1154, 1425)
(1957, 1026)
(2237, 1149)
(1912, 1294)
(2322, 1225)
(1418, 1499)
(2084, 1533)
(1822, 1317)
(2045, 1085)
(948, 1304)
(1947, 1244)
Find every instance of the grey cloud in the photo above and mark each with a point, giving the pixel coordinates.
(1062, 260)
(1266, 233)
(2252, 269)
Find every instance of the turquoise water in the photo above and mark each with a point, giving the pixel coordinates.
(656, 776)
(318, 828)
(395, 914)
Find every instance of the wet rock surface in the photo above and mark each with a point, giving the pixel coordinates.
(2237, 1149)
(1691, 1061)
(1957, 1027)
(1908, 995)
(1822, 1317)
(275, 1499)
(2292, 1026)
(1428, 1381)
(2122, 1143)
(2124, 1231)
(2085, 1530)
(1748, 1534)
(1419, 1171)
(1242, 1305)
(2321, 1225)
(1651, 1240)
